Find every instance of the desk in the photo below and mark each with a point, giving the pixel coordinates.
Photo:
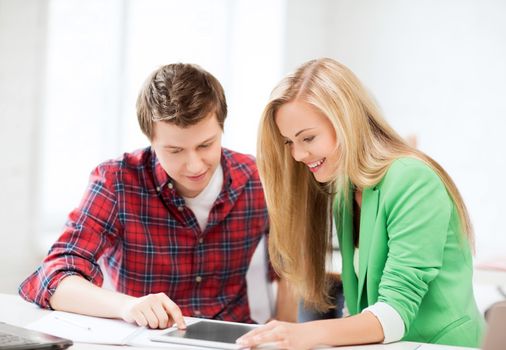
(15, 310)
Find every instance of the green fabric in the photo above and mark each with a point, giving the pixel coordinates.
(412, 256)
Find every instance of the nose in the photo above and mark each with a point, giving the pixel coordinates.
(194, 164)
(299, 153)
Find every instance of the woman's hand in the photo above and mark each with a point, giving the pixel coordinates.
(153, 311)
(282, 335)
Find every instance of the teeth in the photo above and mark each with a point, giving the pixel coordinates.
(315, 164)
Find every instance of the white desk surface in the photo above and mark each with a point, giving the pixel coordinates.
(15, 310)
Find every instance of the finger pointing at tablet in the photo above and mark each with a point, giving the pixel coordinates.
(174, 312)
(153, 311)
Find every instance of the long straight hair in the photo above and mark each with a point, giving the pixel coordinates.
(299, 207)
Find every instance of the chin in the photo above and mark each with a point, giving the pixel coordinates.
(319, 179)
(322, 178)
(196, 189)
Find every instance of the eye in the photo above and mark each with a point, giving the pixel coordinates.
(205, 145)
(308, 139)
(288, 142)
(175, 151)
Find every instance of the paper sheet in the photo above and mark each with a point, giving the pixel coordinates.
(86, 329)
(96, 330)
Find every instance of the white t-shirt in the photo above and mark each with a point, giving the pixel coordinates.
(202, 204)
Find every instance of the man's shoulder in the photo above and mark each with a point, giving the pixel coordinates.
(128, 162)
(239, 157)
(240, 161)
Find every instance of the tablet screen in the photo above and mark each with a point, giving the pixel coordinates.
(212, 331)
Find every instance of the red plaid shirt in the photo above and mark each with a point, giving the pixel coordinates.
(150, 242)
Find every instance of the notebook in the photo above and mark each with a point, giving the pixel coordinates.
(13, 337)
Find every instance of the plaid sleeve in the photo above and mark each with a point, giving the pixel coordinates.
(91, 229)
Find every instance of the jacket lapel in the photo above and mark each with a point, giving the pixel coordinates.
(368, 211)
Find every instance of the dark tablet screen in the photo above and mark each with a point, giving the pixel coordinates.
(212, 331)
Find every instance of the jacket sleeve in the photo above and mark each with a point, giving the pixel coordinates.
(418, 210)
(91, 229)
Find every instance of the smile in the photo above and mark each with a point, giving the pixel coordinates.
(315, 166)
(197, 177)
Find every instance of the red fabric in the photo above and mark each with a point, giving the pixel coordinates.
(150, 242)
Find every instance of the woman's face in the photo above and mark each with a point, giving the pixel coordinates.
(311, 138)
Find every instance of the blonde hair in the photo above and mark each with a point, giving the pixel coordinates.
(299, 207)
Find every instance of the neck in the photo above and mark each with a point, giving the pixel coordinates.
(357, 195)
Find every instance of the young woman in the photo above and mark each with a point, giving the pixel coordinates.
(403, 229)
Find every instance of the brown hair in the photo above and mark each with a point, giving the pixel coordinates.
(299, 208)
(182, 94)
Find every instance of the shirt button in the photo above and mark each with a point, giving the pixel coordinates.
(157, 188)
(198, 279)
(197, 313)
(201, 240)
(171, 186)
(181, 208)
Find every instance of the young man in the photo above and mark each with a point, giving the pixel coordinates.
(175, 225)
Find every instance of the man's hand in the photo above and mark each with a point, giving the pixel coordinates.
(75, 294)
(153, 311)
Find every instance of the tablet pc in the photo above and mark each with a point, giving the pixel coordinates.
(208, 333)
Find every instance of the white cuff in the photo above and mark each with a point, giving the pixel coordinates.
(390, 320)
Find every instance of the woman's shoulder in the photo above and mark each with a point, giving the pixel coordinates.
(408, 163)
(409, 170)
(413, 180)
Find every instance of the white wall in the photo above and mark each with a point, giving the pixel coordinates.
(437, 69)
(22, 54)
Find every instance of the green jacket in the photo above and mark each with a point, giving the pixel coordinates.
(412, 256)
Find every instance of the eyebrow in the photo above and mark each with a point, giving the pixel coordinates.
(301, 131)
(201, 143)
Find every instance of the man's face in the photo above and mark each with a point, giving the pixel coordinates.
(189, 155)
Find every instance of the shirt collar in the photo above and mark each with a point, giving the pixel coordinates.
(236, 175)
(160, 175)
